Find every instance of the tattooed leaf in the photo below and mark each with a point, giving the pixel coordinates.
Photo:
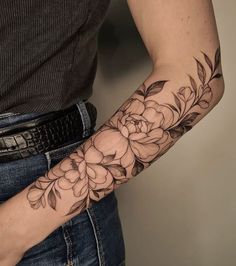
(52, 199)
(38, 184)
(108, 158)
(188, 119)
(208, 61)
(173, 107)
(207, 90)
(78, 206)
(155, 88)
(176, 132)
(57, 193)
(177, 101)
(217, 58)
(201, 71)
(203, 104)
(116, 170)
(179, 130)
(217, 76)
(194, 84)
(138, 167)
(74, 164)
(140, 92)
(187, 128)
(96, 194)
(43, 201)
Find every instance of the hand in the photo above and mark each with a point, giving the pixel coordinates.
(12, 248)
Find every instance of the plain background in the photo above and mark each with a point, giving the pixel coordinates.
(181, 210)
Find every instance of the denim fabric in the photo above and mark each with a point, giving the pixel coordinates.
(92, 238)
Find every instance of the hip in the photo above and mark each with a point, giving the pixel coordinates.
(93, 237)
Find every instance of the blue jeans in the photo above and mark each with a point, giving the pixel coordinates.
(92, 238)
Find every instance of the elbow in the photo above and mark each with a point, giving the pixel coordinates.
(219, 90)
(222, 89)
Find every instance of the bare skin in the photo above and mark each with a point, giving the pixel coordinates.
(185, 84)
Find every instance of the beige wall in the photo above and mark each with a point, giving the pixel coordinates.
(181, 211)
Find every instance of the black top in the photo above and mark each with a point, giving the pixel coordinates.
(48, 52)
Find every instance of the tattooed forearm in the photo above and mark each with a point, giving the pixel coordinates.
(138, 133)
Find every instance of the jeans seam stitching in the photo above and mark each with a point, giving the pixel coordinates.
(84, 117)
(99, 250)
(69, 245)
(48, 157)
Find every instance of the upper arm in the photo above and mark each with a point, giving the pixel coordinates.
(172, 29)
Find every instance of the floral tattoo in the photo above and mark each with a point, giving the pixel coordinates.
(138, 133)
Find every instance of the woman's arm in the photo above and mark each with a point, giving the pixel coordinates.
(185, 84)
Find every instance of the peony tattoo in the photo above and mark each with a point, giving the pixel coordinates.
(137, 134)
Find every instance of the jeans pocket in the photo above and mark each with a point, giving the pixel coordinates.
(18, 174)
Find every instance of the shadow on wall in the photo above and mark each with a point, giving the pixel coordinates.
(120, 46)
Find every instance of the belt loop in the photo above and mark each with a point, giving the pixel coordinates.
(84, 117)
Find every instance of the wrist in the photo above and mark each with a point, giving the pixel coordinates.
(25, 226)
(11, 229)
(19, 224)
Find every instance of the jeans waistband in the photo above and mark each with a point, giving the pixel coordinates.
(11, 118)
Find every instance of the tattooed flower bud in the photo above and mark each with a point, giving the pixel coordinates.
(185, 93)
(35, 194)
(207, 88)
(205, 98)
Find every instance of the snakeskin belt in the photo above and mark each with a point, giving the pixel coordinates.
(44, 133)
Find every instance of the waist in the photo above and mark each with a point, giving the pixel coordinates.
(24, 135)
